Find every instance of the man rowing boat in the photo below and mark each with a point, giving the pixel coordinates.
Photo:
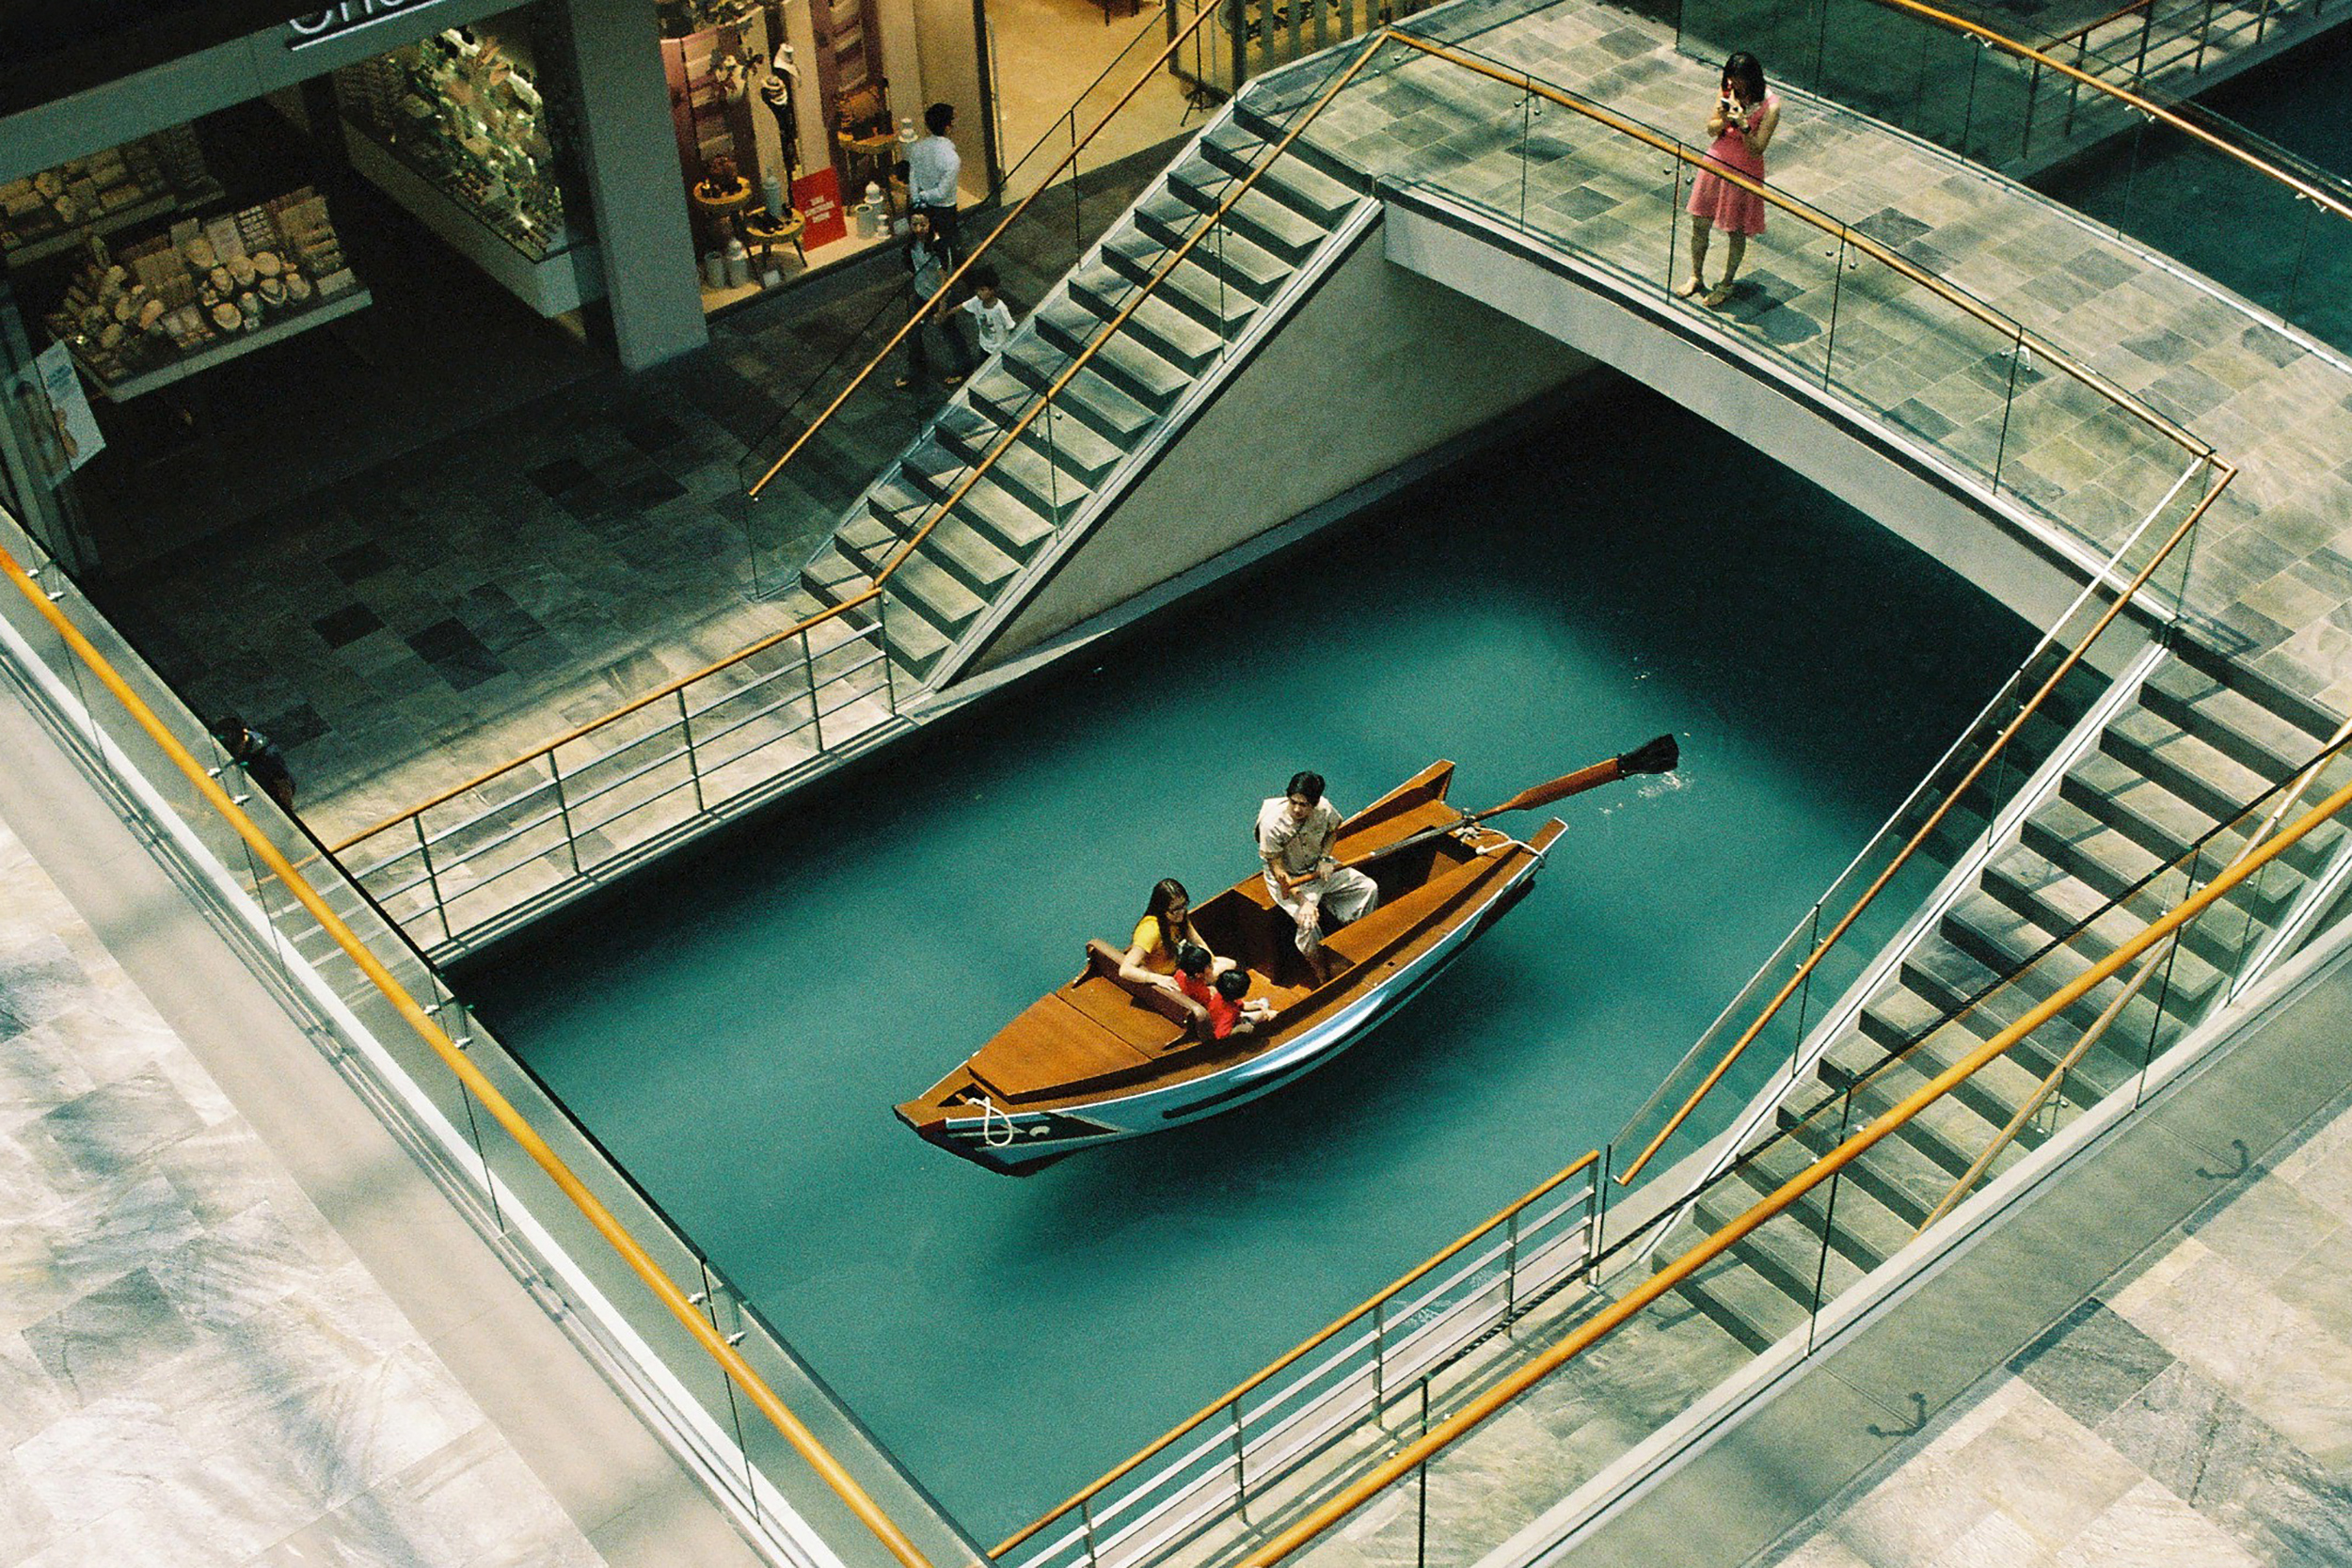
(1294, 833)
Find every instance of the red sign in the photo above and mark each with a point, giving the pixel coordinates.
(818, 198)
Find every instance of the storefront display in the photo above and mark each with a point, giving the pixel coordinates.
(42, 214)
(784, 120)
(139, 315)
(465, 115)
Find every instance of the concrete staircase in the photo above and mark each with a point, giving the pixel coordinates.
(2196, 742)
(1071, 461)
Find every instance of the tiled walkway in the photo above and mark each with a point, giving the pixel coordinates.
(2191, 1414)
(2272, 567)
(196, 1368)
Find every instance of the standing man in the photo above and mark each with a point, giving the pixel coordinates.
(933, 165)
(1294, 833)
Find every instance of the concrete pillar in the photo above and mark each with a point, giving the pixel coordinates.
(629, 158)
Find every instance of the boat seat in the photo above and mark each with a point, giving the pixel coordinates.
(1056, 1049)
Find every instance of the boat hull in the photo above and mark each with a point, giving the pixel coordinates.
(1018, 1142)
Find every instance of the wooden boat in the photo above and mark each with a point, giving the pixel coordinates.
(1100, 1059)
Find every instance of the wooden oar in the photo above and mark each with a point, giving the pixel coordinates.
(1655, 757)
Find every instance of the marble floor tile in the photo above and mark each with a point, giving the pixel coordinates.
(194, 1366)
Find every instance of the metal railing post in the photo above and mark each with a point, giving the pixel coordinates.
(1511, 1272)
(1086, 1521)
(2204, 37)
(2147, 27)
(808, 670)
(693, 765)
(1241, 1467)
(1380, 1362)
(563, 810)
(432, 878)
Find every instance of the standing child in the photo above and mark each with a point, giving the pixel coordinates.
(992, 316)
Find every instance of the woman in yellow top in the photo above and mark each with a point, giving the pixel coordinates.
(1167, 925)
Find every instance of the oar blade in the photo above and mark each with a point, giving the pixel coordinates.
(1661, 755)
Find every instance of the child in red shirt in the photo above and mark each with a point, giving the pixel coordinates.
(1223, 999)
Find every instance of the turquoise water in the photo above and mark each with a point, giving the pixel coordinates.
(737, 1026)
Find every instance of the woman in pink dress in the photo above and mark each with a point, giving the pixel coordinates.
(1744, 120)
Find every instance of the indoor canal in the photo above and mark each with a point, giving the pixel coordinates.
(736, 1024)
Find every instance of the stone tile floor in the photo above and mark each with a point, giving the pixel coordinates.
(2192, 1412)
(406, 629)
(196, 1368)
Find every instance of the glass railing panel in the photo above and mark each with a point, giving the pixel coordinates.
(1789, 37)
(841, 1435)
(2068, 448)
(1921, 360)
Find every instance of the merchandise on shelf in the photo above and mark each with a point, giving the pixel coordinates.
(457, 111)
(165, 168)
(138, 308)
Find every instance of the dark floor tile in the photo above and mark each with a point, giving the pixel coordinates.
(650, 490)
(590, 503)
(360, 562)
(492, 614)
(2090, 1362)
(1919, 416)
(295, 726)
(346, 626)
(563, 474)
(653, 433)
(456, 654)
(1891, 227)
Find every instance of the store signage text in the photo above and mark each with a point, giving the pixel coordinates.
(348, 17)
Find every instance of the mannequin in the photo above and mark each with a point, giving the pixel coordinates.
(775, 90)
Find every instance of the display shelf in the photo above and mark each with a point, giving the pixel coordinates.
(287, 325)
(562, 281)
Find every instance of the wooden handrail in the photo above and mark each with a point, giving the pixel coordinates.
(1006, 222)
(2114, 1009)
(1910, 846)
(1223, 1400)
(2148, 106)
(1462, 1423)
(1807, 213)
(1801, 211)
(501, 1109)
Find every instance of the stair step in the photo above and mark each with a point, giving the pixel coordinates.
(1895, 1021)
(1786, 1250)
(2207, 778)
(1028, 475)
(2144, 811)
(1074, 447)
(1992, 1092)
(1257, 214)
(2004, 940)
(1947, 1130)
(1270, 118)
(2110, 862)
(1946, 976)
(1245, 267)
(1121, 358)
(1007, 522)
(1030, 366)
(923, 586)
(2228, 720)
(1306, 190)
(2260, 689)
(1742, 1303)
(969, 557)
(916, 643)
(1897, 1176)
(1866, 1232)
(2057, 901)
(1168, 331)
